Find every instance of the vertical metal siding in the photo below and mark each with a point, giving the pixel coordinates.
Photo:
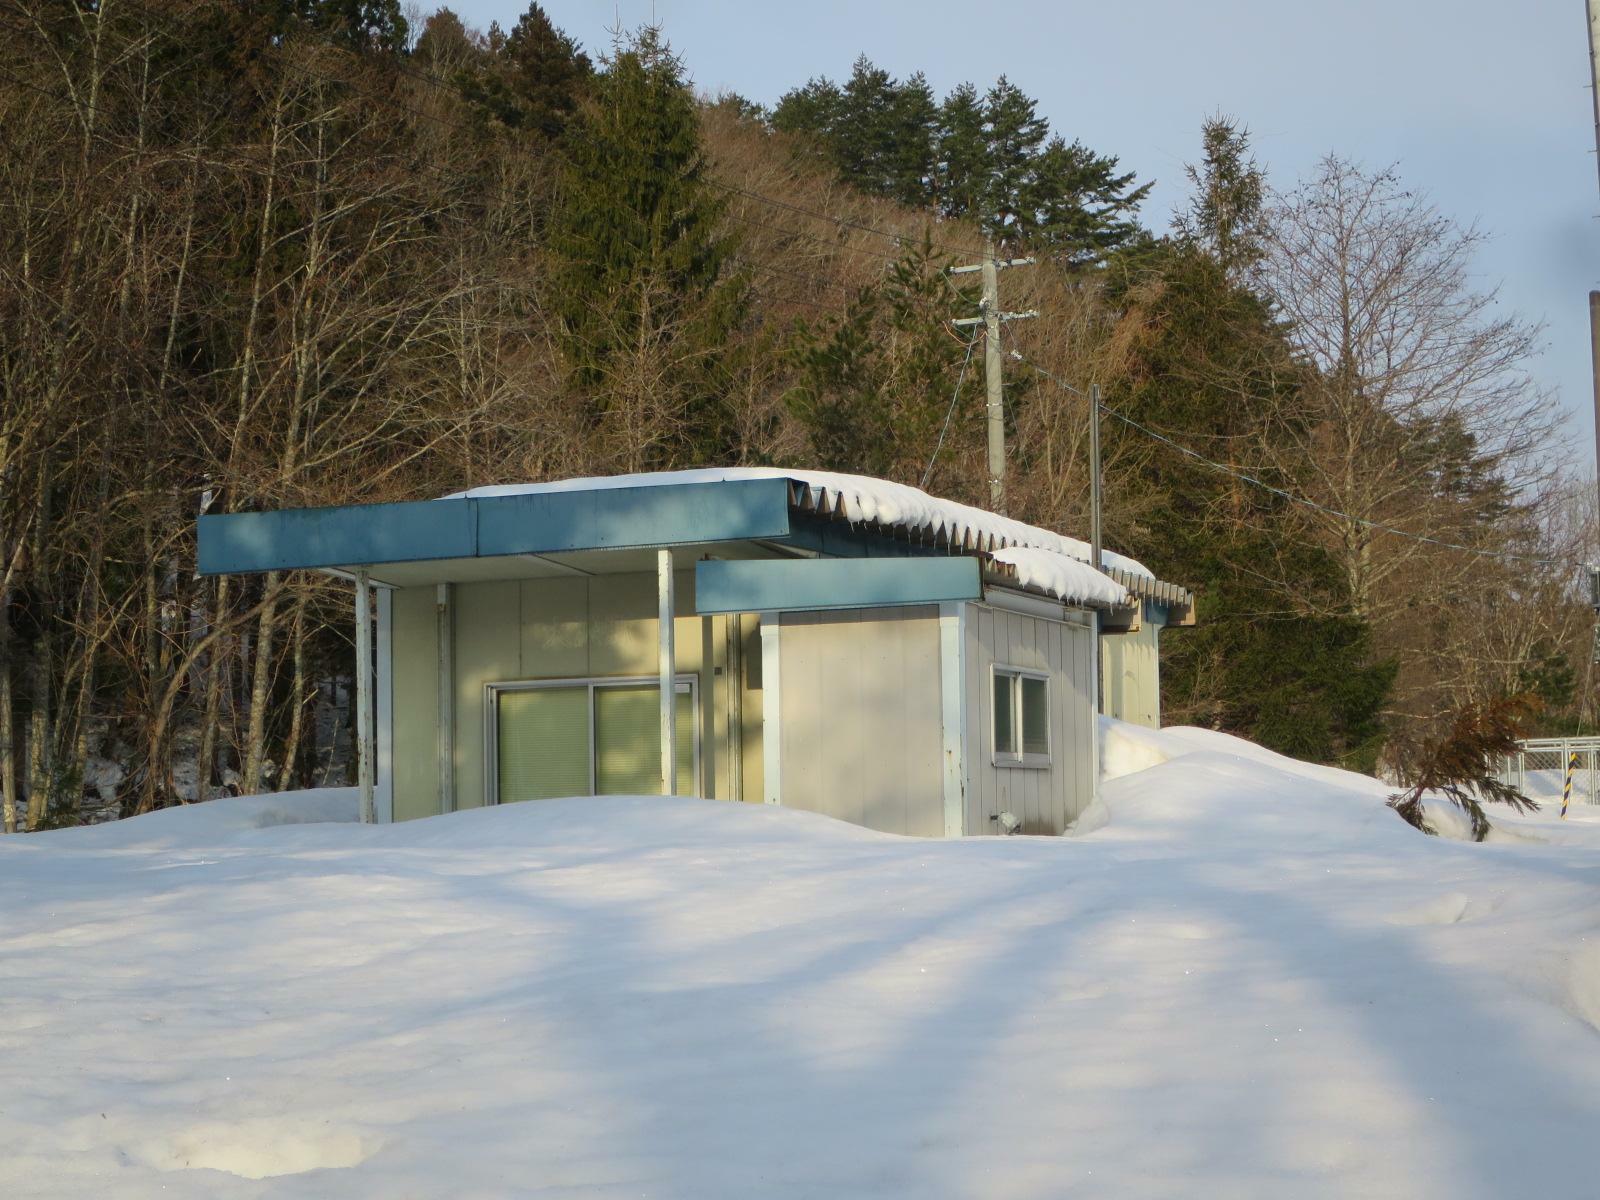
(1131, 666)
(488, 649)
(415, 691)
(1045, 800)
(861, 735)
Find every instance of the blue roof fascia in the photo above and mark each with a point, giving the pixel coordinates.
(620, 518)
(349, 535)
(811, 584)
(487, 526)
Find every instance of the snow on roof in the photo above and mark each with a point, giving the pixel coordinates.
(1067, 579)
(863, 498)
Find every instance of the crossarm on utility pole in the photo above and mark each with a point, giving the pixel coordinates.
(992, 317)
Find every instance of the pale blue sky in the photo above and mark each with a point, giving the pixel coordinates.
(1482, 104)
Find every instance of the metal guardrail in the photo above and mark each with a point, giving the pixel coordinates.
(1539, 767)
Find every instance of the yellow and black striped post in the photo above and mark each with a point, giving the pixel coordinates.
(1566, 788)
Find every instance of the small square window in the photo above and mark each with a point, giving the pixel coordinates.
(1021, 718)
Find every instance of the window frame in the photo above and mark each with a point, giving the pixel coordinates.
(1017, 757)
(683, 682)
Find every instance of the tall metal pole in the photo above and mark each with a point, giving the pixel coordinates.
(1594, 366)
(669, 696)
(1594, 71)
(445, 742)
(992, 380)
(1094, 476)
(366, 752)
(1594, 299)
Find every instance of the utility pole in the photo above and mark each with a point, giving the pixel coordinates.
(1593, 8)
(1094, 477)
(1594, 297)
(1594, 71)
(991, 319)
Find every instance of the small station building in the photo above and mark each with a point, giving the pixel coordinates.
(829, 642)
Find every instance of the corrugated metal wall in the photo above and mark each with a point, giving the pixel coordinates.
(1044, 799)
(861, 737)
(1129, 664)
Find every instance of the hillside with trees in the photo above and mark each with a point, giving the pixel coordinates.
(307, 253)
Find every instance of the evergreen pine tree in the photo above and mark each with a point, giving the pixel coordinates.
(532, 78)
(913, 122)
(1225, 214)
(864, 134)
(988, 159)
(547, 72)
(813, 111)
(1463, 765)
(1014, 133)
(445, 47)
(962, 153)
(886, 365)
(1276, 657)
(361, 24)
(1079, 206)
(639, 288)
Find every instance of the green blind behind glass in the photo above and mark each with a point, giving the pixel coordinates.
(627, 741)
(1035, 716)
(1004, 743)
(543, 743)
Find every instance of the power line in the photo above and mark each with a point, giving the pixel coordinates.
(1377, 526)
(799, 276)
(898, 238)
(834, 247)
(951, 411)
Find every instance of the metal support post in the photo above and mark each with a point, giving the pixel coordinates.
(669, 695)
(446, 748)
(1094, 478)
(365, 750)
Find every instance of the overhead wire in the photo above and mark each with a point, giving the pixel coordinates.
(798, 276)
(950, 412)
(1281, 493)
(833, 246)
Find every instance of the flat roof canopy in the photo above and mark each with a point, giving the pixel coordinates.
(529, 535)
(613, 530)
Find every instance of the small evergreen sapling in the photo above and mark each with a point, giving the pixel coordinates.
(1461, 765)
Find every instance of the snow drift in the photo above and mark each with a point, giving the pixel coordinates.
(1252, 980)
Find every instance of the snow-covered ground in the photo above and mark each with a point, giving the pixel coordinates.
(1245, 978)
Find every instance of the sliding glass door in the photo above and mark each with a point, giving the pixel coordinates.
(587, 737)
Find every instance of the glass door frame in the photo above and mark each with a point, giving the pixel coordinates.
(689, 682)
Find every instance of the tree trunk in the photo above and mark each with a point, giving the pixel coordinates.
(206, 755)
(298, 698)
(260, 690)
(8, 720)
